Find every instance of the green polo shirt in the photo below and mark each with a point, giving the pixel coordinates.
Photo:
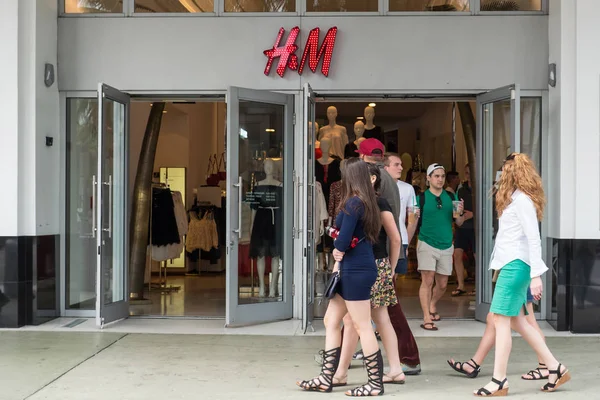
(436, 226)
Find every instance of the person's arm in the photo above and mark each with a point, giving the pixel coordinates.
(411, 228)
(389, 224)
(351, 215)
(528, 218)
(460, 220)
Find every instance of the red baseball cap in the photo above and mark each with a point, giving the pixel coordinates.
(368, 146)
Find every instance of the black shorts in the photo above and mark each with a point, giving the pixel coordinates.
(465, 239)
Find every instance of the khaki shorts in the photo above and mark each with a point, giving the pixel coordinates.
(432, 259)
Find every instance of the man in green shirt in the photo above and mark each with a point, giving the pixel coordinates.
(434, 248)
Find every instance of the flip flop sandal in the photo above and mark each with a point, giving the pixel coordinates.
(435, 317)
(536, 374)
(458, 292)
(431, 325)
(392, 379)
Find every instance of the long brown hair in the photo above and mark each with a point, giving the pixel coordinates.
(518, 172)
(356, 181)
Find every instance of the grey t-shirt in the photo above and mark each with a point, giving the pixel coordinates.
(389, 191)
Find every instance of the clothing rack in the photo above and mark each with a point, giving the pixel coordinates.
(162, 266)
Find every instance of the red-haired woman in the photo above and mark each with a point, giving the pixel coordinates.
(517, 255)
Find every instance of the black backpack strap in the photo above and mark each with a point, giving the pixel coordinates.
(421, 204)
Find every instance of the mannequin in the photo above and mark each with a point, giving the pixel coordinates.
(371, 130)
(337, 133)
(327, 172)
(359, 130)
(266, 237)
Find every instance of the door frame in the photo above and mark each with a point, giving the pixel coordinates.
(245, 314)
(483, 279)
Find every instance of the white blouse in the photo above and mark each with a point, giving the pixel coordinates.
(519, 236)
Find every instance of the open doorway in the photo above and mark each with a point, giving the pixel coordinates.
(185, 278)
(420, 132)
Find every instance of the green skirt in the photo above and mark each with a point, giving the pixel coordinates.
(510, 294)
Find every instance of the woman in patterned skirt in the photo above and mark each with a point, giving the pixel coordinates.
(383, 295)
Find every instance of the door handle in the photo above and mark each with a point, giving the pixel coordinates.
(110, 208)
(239, 228)
(94, 184)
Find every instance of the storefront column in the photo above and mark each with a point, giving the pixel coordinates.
(574, 168)
(29, 205)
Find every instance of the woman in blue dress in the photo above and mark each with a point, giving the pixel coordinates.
(359, 218)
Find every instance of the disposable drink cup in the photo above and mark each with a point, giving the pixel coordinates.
(412, 216)
(455, 209)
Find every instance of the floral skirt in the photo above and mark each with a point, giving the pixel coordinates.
(383, 293)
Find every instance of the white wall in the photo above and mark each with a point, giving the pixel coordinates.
(574, 128)
(30, 204)
(372, 53)
(9, 115)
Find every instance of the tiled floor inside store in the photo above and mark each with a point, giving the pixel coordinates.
(204, 296)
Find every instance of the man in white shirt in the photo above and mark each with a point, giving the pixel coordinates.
(393, 165)
(409, 352)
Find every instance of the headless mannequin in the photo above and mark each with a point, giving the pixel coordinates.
(336, 133)
(269, 168)
(326, 159)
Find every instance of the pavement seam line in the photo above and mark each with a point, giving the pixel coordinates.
(75, 366)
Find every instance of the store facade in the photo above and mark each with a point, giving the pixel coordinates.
(499, 59)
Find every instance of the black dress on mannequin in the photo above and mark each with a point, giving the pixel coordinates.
(327, 174)
(350, 150)
(267, 229)
(374, 133)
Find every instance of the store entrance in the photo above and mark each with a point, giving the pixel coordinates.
(420, 133)
(220, 182)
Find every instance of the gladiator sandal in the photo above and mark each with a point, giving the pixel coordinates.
(324, 382)
(562, 376)
(374, 364)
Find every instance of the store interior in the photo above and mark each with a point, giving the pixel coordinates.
(421, 132)
(189, 280)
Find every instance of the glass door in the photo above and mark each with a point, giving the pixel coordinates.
(498, 135)
(311, 222)
(260, 205)
(110, 207)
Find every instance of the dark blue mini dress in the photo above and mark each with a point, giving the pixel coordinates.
(359, 270)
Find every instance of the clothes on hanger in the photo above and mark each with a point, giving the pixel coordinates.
(320, 211)
(267, 227)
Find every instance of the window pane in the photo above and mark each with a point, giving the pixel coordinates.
(260, 5)
(531, 129)
(511, 5)
(174, 6)
(82, 167)
(429, 5)
(341, 5)
(93, 6)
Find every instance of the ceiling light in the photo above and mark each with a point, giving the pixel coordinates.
(269, 130)
(372, 104)
(165, 111)
(360, 117)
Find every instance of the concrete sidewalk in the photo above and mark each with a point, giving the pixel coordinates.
(90, 366)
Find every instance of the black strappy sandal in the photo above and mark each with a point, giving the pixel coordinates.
(502, 391)
(561, 379)
(324, 382)
(536, 374)
(459, 367)
(374, 364)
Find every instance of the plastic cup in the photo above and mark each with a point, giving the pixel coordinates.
(412, 216)
(456, 209)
